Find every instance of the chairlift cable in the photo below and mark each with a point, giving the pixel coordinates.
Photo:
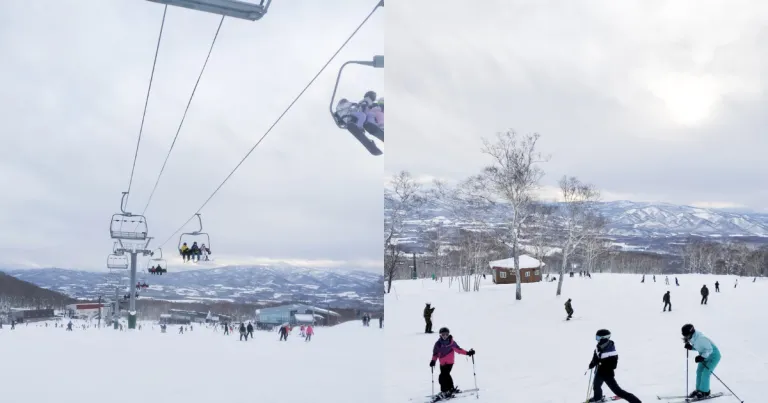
(146, 104)
(184, 116)
(279, 118)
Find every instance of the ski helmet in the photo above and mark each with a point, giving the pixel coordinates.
(603, 334)
(444, 330)
(688, 330)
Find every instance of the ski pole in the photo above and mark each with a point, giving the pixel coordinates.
(687, 378)
(433, 380)
(474, 374)
(721, 381)
(589, 385)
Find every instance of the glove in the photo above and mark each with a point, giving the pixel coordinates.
(432, 363)
(471, 352)
(688, 346)
(591, 365)
(699, 358)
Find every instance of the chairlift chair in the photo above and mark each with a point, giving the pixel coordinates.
(155, 261)
(190, 237)
(246, 10)
(117, 261)
(139, 223)
(377, 62)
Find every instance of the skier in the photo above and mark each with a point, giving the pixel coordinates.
(667, 302)
(643, 279)
(243, 332)
(181, 329)
(654, 278)
(381, 320)
(309, 332)
(428, 310)
(666, 280)
(704, 294)
(249, 329)
(708, 358)
(568, 309)
(443, 351)
(605, 358)
(677, 283)
(736, 283)
(284, 332)
(717, 286)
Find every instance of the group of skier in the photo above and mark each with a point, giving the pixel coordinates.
(604, 361)
(194, 252)
(361, 117)
(306, 332)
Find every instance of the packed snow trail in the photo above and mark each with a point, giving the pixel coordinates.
(51, 365)
(527, 352)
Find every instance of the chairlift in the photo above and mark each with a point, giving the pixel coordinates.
(117, 261)
(245, 10)
(343, 120)
(158, 261)
(195, 236)
(138, 222)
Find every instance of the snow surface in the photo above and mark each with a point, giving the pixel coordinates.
(527, 352)
(51, 365)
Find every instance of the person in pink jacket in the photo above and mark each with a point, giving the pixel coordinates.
(309, 331)
(444, 351)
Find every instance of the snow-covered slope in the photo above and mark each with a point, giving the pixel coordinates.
(343, 289)
(51, 365)
(527, 352)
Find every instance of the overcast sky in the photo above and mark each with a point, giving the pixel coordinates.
(650, 100)
(74, 78)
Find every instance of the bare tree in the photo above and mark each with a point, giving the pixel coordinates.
(579, 219)
(404, 200)
(511, 179)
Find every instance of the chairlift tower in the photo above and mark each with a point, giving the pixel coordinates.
(137, 243)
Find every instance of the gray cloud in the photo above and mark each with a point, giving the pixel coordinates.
(74, 81)
(646, 99)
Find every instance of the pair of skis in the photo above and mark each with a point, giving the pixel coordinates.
(686, 399)
(463, 393)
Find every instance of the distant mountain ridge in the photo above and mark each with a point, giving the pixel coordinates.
(643, 220)
(242, 284)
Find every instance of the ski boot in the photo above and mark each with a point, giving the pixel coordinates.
(697, 394)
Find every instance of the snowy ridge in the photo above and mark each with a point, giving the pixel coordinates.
(626, 219)
(340, 288)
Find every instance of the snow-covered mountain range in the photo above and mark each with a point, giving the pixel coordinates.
(251, 284)
(634, 220)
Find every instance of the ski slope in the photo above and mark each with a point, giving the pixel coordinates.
(51, 365)
(528, 353)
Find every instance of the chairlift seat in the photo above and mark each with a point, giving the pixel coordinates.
(245, 10)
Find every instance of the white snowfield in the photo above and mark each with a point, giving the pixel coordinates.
(51, 365)
(528, 353)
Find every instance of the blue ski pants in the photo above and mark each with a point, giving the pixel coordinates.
(704, 370)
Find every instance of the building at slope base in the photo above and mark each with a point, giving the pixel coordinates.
(295, 314)
(504, 270)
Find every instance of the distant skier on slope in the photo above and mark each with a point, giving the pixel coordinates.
(309, 332)
(704, 294)
(428, 311)
(666, 280)
(677, 283)
(444, 350)
(708, 358)
(736, 283)
(717, 286)
(667, 302)
(606, 358)
(568, 309)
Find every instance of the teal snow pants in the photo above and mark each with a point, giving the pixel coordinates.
(704, 370)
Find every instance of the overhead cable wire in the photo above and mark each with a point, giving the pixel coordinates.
(184, 116)
(279, 118)
(146, 104)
